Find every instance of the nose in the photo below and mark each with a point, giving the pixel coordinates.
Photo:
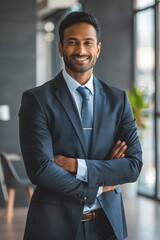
(80, 49)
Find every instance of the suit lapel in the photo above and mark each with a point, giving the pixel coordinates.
(99, 101)
(65, 98)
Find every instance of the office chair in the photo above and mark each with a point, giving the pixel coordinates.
(13, 182)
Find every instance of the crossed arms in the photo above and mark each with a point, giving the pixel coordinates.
(36, 140)
(70, 164)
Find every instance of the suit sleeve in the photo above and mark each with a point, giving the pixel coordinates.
(38, 154)
(123, 170)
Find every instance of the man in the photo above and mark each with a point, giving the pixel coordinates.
(73, 146)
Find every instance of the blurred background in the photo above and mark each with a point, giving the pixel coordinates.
(129, 59)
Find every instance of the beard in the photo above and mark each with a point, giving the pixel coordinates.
(79, 68)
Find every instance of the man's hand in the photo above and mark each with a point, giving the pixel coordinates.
(69, 164)
(108, 188)
(117, 152)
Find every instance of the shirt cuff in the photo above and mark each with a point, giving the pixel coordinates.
(82, 173)
(100, 189)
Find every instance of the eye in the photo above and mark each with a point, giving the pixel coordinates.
(72, 43)
(90, 43)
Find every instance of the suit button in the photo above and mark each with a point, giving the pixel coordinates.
(85, 198)
(97, 184)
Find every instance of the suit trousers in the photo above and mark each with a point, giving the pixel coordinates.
(97, 229)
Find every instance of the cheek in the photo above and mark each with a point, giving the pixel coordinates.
(96, 55)
(65, 51)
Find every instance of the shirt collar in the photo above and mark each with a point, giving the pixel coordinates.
(73, 84)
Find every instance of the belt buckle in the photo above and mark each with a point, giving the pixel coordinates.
(85, 220)
(93, 216)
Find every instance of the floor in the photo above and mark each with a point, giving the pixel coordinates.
(143, 217)
(15, 230)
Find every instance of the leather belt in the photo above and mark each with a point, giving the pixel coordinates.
(91, 215)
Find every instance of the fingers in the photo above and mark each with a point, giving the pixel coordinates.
(108, 188)
(121, 149)
(118, 150)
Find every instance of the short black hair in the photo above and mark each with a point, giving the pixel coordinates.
(78, 17)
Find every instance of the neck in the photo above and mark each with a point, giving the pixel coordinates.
(81, 78)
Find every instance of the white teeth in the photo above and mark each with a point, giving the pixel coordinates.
(80, 59)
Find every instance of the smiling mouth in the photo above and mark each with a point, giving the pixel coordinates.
(80, 58)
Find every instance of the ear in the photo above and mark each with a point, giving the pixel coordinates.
(60, 47)
(98, 49)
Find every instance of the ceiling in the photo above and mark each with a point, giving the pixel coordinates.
(45, 7)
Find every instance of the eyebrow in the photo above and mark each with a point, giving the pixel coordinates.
(72, 38)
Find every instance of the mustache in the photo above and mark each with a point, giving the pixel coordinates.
(78, 55)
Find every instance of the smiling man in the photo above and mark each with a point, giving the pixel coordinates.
(79, 143)
(80, 49)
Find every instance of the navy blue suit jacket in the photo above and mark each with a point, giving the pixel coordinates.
(50, 125)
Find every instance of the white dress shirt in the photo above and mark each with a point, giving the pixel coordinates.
(82, 173)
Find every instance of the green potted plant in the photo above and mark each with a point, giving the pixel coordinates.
(140, 106)
(139, 103)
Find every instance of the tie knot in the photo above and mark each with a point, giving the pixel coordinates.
(84, 92)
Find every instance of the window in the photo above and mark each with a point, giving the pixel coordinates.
(147, 78)
(144, 79)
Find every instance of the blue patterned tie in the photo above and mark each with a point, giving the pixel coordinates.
(86, 115)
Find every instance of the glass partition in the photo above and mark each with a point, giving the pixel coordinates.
(158, 111)
(144, 79)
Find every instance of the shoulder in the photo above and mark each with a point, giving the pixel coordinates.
(44, 93)
(44, 89)
(110, 90)
(38, 98)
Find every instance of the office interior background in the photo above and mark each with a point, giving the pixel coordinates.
(130, 55)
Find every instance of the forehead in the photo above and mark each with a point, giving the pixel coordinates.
(80, 30)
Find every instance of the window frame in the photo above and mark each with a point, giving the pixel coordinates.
(156, 9)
